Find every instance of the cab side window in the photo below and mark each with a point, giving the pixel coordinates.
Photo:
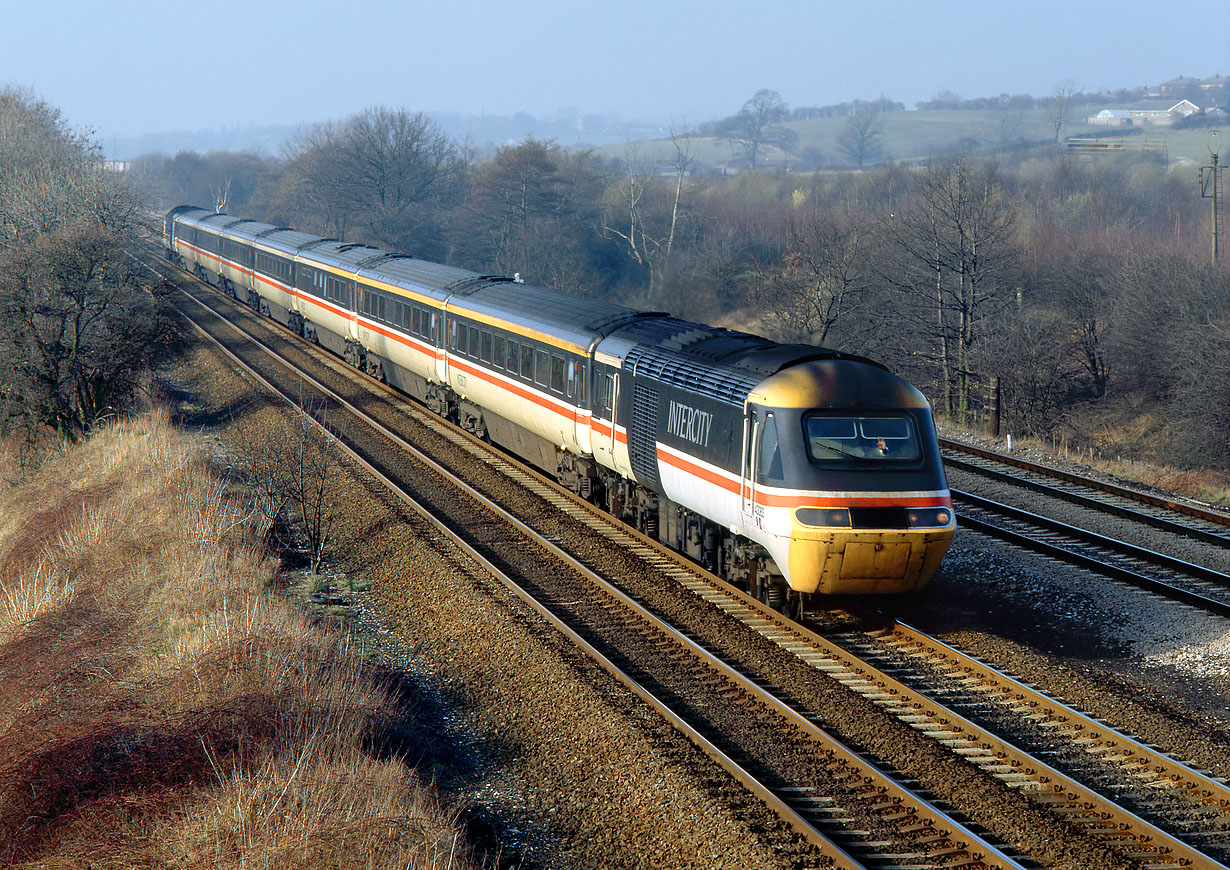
(769, 466)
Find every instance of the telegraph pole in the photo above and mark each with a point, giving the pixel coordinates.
(1209, 189)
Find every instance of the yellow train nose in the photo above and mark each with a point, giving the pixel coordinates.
(865, 561)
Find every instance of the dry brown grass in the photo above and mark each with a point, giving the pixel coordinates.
(158, 708)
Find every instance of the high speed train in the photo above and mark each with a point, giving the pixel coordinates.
(780, 467)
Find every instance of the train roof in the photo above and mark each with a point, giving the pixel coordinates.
(695, 355)
(571, 319)
(723, 363)
(250, 229)
(432, 279)
(188, 212)
(345, 256)
(289, 242)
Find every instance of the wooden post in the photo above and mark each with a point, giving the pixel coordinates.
(993, 401)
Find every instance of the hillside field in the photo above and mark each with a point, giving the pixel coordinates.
(917, 135)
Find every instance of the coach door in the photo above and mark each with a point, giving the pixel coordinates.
(435, 336)
(753, 422)
(606, 389)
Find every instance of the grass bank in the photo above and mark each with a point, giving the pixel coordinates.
(161, 706)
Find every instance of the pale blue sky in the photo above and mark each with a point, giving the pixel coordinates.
(126, 67)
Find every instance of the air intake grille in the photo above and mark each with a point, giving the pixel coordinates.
(690, 374)
(643, 439)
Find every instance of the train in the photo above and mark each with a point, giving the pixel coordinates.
(787, 469)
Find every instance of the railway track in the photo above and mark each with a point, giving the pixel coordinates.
(1081, 808)
(1174, 516)
(1156, 572)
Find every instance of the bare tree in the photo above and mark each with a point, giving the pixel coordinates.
(535, 209)
(859, 139)
(958, 246)
(1061, 104)
(820, 279)
(758, 124)
(288, 470)
(311, 470)
(643, 212)
(381, 173)
(78, 331)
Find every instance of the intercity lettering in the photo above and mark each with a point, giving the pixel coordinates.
(689, 423)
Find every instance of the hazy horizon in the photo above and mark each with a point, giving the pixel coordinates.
(129, 68)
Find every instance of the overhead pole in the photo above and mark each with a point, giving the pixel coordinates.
(1209, 185)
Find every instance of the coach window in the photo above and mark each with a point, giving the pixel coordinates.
(557, 373)
(514, 356)
(499, 353)
(527, 362)
(485, 355)
(416, 321)
(432, 331)
(383, 316)
(542, 368)
(452, 334)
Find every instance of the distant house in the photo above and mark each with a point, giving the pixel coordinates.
(1179, 86)
(1215, 86)
(1153, 113)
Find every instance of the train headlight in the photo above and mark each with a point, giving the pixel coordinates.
(824, 517)
(929, 517)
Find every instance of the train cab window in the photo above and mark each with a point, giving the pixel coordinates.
(769, 466)
(527, 362)
(542, 367)
(860, 440)
(499, 354)
(485, 353)
(557, 373)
